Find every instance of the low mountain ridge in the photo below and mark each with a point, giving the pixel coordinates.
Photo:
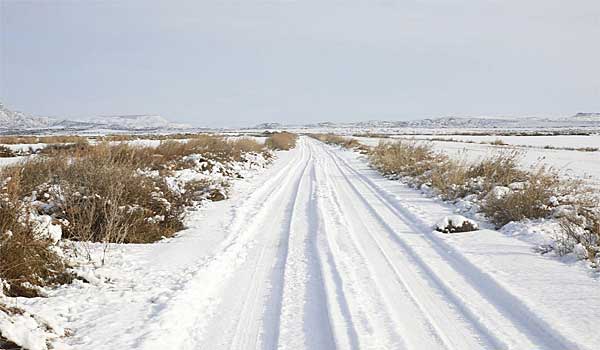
(18, 121)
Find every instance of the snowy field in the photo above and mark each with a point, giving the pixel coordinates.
(573, 164)
(561, 141)
(319, 251)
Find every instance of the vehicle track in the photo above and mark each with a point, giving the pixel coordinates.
(321, 257)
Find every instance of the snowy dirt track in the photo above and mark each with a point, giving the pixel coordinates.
(322, 253)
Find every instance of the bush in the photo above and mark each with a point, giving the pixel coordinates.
(533, 201)
(281, 141)
(582, 228)
(41, 139)
(26, 260)
(404, 158)
(101, 194)
(6, 152)
(332, 139)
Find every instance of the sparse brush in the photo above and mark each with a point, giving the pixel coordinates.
(332, 139)
(41, 139)
(501, 169)
(281, 141)
(498, 142)
(533, 201)
(405, 158)
(27, 261)
(450, 178)
(6, 152)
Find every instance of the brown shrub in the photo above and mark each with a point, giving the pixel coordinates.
(498, 142)
(332, 139)
(6, 152)
(281, 141)
(585, 230)
(450, 178)
(500, 169)
(404, 158)
(102, 195)
(26, 261)
(532, 202)
(41, 139)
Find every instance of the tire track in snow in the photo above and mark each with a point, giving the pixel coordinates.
(508, 308)
(357, 305)
(304, 322)
(195, 303)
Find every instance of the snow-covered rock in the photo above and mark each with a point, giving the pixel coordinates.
(456, 223)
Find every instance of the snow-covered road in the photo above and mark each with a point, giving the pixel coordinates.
(322, 253)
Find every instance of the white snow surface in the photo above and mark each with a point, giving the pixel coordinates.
(572, 164)
(321, 252)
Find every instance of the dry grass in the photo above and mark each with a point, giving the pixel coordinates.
(281, 141)
(26, 261)
(453, 179)
(105, 198)
(531, 202)
(332, 139)
(582, 227)
(102, 195)
(498, 142)
(11, 140)
(6, 152)
(405, 158)
(98, 193)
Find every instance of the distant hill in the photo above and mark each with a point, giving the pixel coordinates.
(578, 120)
(13, 121)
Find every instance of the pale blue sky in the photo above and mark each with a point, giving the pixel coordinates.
(230, 63)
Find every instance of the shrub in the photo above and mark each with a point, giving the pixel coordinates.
(41, 139)
(102, 195)
(26, 260)
(501, 169)
(281, 141)
(404, 158)
(533, 201)
(498, 142)
(582, 227)
(332, 139)
(6, 152)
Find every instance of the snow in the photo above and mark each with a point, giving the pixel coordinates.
(571, 164)
(566, 141)
(319, 251)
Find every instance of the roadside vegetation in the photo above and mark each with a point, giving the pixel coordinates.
(496, 187)
(343, 141)
(497, 142)
(281, 141)
(108, 193)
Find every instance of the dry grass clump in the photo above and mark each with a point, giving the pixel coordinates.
(405, 158)
(6, 152)
(11, 140)
(281, 141)
(332, 139)
(215, 147)
(27, 261)
(56, 148)
(534, 200)
(505, 192)
(102, 195)
(582, 228)
(498, 142)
